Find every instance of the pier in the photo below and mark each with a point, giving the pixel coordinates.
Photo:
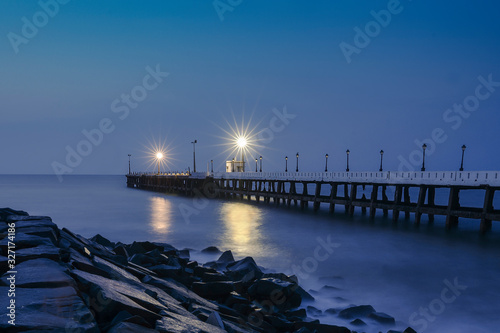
(390, 192)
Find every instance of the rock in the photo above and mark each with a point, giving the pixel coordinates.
(245, 270)
(211, 249)
(121, 250)
(213, 290)
(126, 327)
(314, 311)
(215, 320)
(49, 309)
(143, 260)
(109, 297)
(41, 251)
(173, 323)
(180, 292)
(24, 241)
(382, 318)
(280, 323)
(184, 254)
(358, 322)
(235, 298)
(6, 212)
(103, 241)
(113, 270)
(356, 311)
(166, 270)
(274, 289)
(304, 294)
(301, 313)
(328, 289)
(409, 330)
(226, 257)
(44, 232)
(40, 273)
(211, 277)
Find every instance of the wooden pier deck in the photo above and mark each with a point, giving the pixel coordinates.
(387, 191)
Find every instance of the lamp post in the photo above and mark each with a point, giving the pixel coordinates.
(381, 158)
(212, 165)
(129, 163)
(326, 163)
(286, 163)
(463, 152)
(232, 166)
(159, 156)
(424, 146)
(260, 157)
(256, 165)
(347, 153)
(297, 164)
(194, 154)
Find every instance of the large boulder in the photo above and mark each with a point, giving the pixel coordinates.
(174, 323)
(49, 309)
(40, 273)
(245, 270)
(356, 311)
(281, 294)
(213, 290)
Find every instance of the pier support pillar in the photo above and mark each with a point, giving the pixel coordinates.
(397, 202)
(420, 203)
(354, 191)
(385, 199)
(333, 196)
(487, 208)
(431, 194)
(453, 203)
(373, 200)
(317, 195)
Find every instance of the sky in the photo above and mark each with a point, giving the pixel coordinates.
(85, 83)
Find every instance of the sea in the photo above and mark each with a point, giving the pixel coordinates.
(426, 277)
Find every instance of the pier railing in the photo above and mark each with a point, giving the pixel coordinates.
(469, 178)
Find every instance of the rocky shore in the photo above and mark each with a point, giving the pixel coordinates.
(55, 280)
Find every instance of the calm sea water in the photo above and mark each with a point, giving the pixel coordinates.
(401, 270)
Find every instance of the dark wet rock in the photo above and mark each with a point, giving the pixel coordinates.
(281, 276)
(245, 270)
(41, 251)
(211, 249)
(301, 313)
(314, 311)
(103, 241)
(114, 271)
(40, 273)
(409, 330)
(111, 297)
(212, 277)
(303, 330)
(304, 294)
(356, 311)
(282, 294)
(6, 212)
(235, 298)
(178, 291)
(200, 271)
(85, 246)
(213, 289)
(44, 232)
(121, 251)
(226, 257)
(215, 319)
(50, 309)
(280, 323)
(143, 260)
(382, 318)
(358, 322)
(24, 241)
(166, 270)
(126, 327)
(173, 323)
(393, 331)
(184, 254)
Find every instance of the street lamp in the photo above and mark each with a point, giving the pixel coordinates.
(159, 157)
(424, 146)
(326, 163)
(347, 153)
(241, 143)
(381, 157)
(194, 154)
(256, 165)
(232, 165)
(297, 164)
(129, 163)
(462, 164)
(212, 165)
(260, 157)
(286, 163)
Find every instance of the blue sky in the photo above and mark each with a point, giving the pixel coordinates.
(264, 55)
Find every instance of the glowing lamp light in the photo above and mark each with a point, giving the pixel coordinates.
(241, 142)
(159, 156)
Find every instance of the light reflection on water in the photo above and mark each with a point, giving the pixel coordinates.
(242, 225)
(161, 215)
